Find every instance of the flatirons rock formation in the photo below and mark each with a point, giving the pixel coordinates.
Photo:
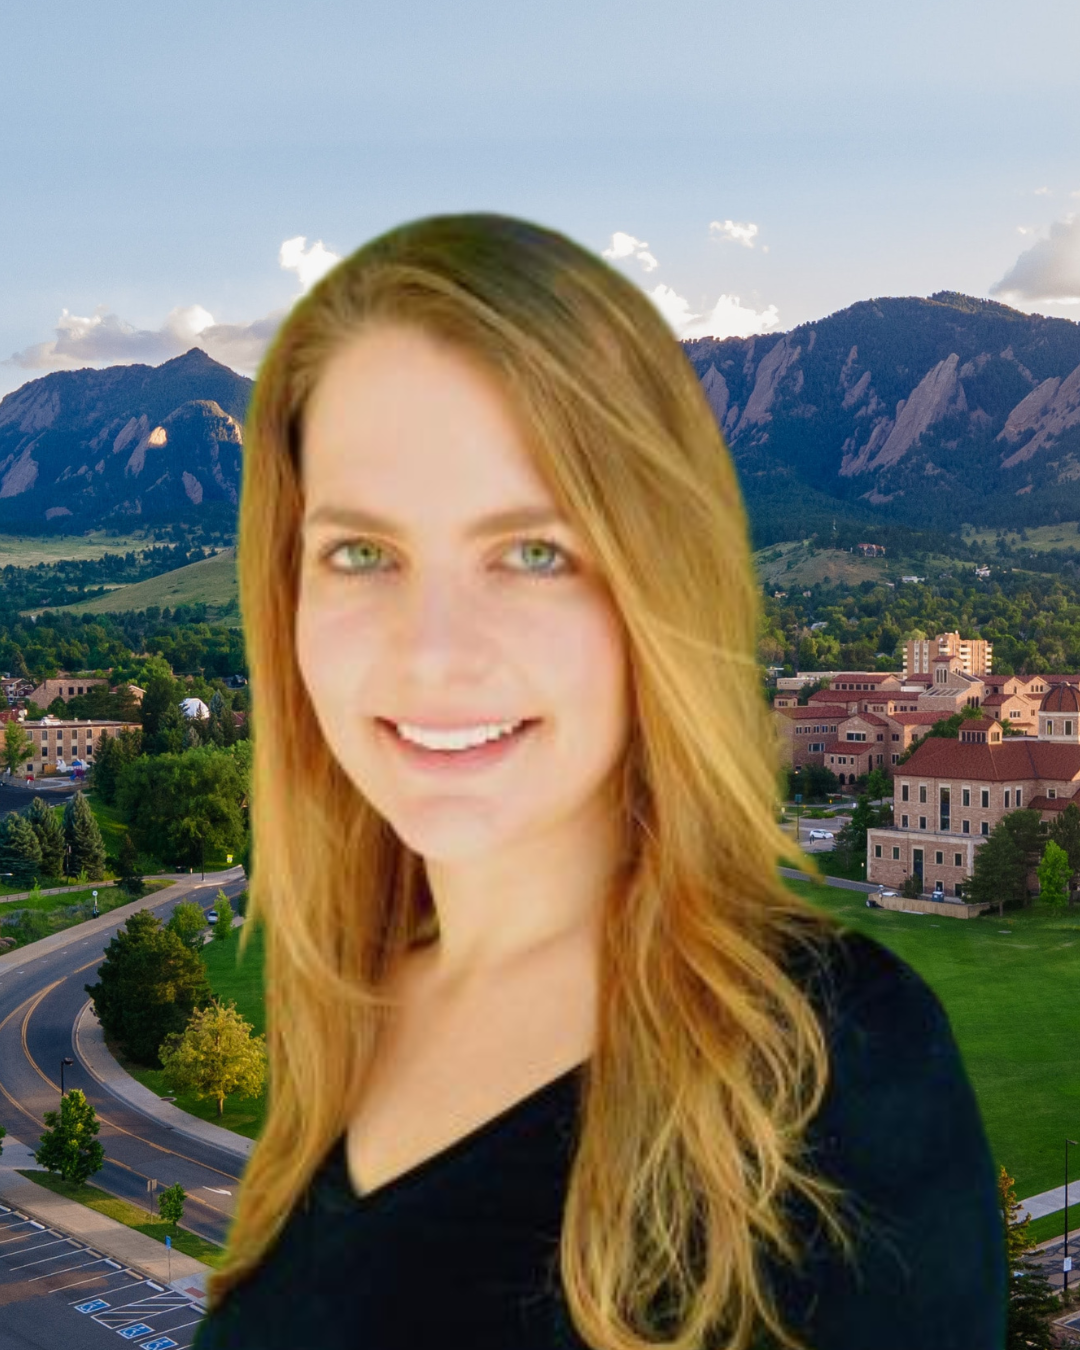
(917, 412)
(84, 448)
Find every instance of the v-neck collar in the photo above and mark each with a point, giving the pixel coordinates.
(337, 1167)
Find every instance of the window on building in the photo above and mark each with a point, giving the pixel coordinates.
(958, 860)
(903, 792)
(985, 798)
(1050, 727)
(944, 794)
(922, 792)
(922, 822)
(1051, 792)
(965, 796)
(1008, 795)
(1068, 728)
(896, 735)
(896, 853)
(1019, 796)
(30, 768)
(895, 758)
(877, 850)
(939, 858)
(965, 827)
(985, 827)
(903, 822)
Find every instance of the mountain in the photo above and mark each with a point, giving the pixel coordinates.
(126, 445)
(902, 412)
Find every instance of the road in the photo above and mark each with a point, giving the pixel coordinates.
(39, 1003)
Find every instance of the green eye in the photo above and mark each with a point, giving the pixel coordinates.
(537, 550)
(354, 552)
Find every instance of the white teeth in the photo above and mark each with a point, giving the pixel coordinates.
(455, 739)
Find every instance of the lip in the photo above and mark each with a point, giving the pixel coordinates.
(452, 724)
(458, 761)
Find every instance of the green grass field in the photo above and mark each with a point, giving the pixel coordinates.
(1009, 988)
(28, 550)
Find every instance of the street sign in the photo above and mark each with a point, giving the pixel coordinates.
(1066, 1265)
(228, 857)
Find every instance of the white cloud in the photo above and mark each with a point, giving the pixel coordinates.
(733, 231)
(1049, 270)
(1042, 192)
(309, 264)
(1027, 229)
(727, 318)
(105, 338)
(626, 246)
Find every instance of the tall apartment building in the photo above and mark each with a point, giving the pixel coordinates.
(974, 654)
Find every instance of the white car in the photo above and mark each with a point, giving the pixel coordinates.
(821, 834)
(211, 916)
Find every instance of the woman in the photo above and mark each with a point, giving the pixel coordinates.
(557, 1060)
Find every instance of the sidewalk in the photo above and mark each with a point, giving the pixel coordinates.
(115, 1240)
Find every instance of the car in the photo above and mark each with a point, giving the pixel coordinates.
(211, 916)
(821, 834)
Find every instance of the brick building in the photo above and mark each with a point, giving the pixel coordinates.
(55, 738)
(951, 793)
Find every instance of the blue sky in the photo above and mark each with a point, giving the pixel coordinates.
(155, 159)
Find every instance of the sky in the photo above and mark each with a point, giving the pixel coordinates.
(178, 173)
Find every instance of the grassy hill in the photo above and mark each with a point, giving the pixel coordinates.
(20, 550)
(211, 581)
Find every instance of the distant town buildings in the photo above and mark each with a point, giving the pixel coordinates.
(974, 653)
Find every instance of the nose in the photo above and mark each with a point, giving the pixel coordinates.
(440, 633)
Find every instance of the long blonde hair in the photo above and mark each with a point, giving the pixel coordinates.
(710, 1059)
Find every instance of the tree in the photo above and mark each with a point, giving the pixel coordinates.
(17, 746)
(85, 848)
(1031, 1301)
(3, 1132)
(188, 922)
(68, 1145)
(878, 785)
(127, 865)
(999, 874)
(50, 836)
(1054, 873)
(850, 843)
(180, 805)
(163, 722)
(224, 927)
(1065, 831)
(148, 986)
(216, 1056)
(171, 1204)
(911, 888)
(20, 852)
(112, 753)
(1029, 832)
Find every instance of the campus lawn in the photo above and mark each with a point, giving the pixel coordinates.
(231, 979)
(1009, 988)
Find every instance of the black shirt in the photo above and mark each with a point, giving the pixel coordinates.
(461, 1249)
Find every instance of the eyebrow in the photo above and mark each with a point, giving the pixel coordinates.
(516, 518)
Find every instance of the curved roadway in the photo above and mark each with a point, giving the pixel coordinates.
(41, 996)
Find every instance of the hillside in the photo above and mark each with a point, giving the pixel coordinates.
(212, 581)
(920, 413)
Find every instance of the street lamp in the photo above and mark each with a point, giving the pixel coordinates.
(94, 894)
(1066, 1262)
(70, 1062)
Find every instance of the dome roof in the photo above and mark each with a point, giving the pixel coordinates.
(1062, 698)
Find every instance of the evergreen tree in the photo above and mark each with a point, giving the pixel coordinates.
(50, 836)
(1054, 874)
(112, 754)
(999, 874)
(20, 852)
(1029, 833)
(163, 722)
(127, 865)
(84, 846)
(18, 746)
(1065, 832)
(878, 785)
(148, 986)
(68, 1145)
(1031, 1301)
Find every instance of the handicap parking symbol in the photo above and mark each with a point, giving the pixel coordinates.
(136, 1329)
(95, 1305)
(162, 1343)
